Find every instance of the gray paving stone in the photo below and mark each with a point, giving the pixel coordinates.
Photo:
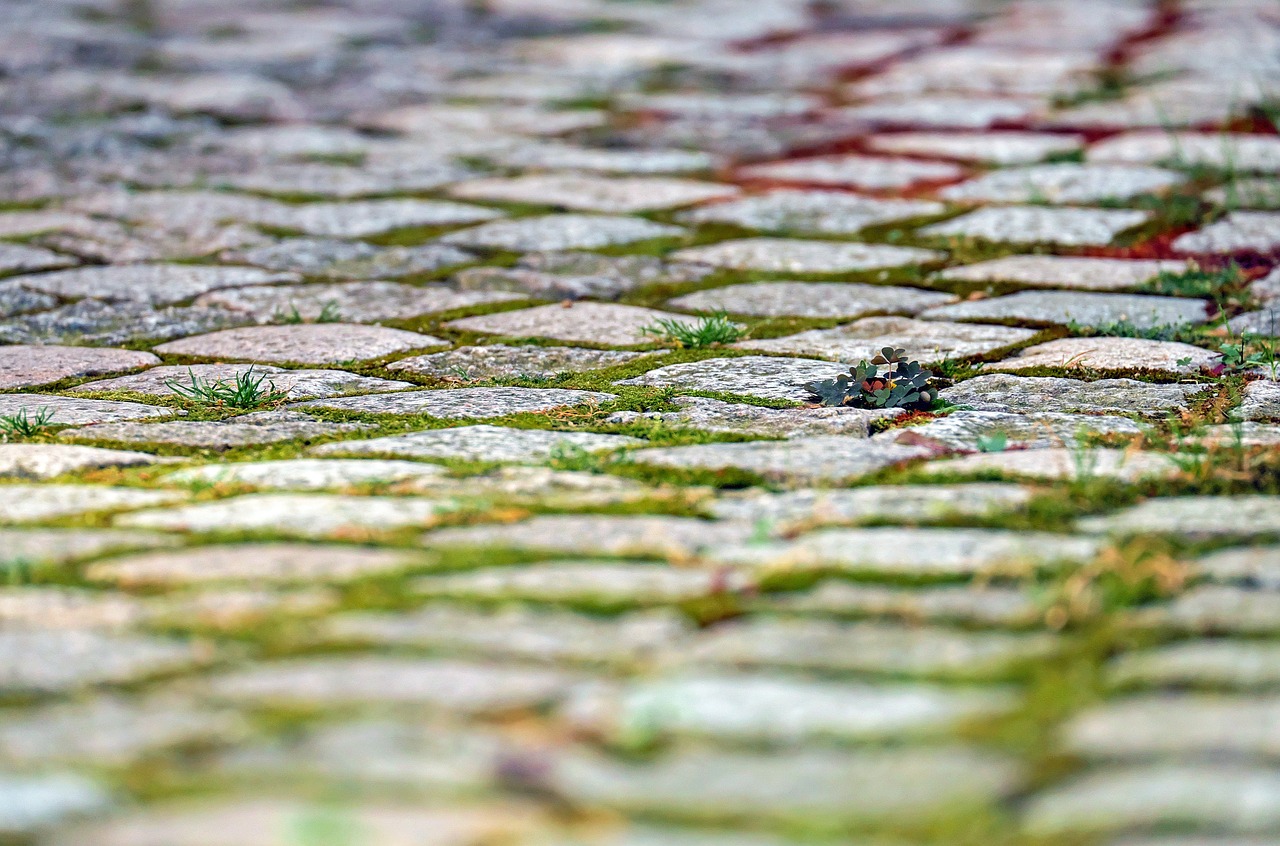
(15, 299)
(926, 341)
(785, 255)
(793, 510)
(341, 182)
(561, 232)
(274, 563)
(1245, 434)
(766, 377)
(1218, 663)
(296, 384)
(854, 171)
(371, 217)
(1261, 401)
(310, 474)
(610, 195)
(1026, 394)
(779, 709)
(1062, 463)
(482, 443)
(997, 607)
(560, 156)
(825, 212)
(966, 430)
(500, 361)
(814, 460)
(1222, 797)
(1239, 231)
(1252, 566)
(341, 259)
(39, 547)
(24, 366)
(1002, 148)
(1265, 322)
(1195, 516)
(357, 302)
(259, 427)
(1239, 152)
(1062, 183)
(1104, 353)
(22, 223)
(1186, 725)
(942, 110)
(23, 258)
(811, 299)
(1215, 609)
(69, 411)
(1259, 193)
(314, 343)
(35, 662)
(1143, 311)
(466, 403)
(711, 415)
(592, 534)
(1037, 224)
(577, 275)
(67, 609)
(109, 324)
(33, 804)
(45, 461)
(1087, 274)
(156, 284)
(31, 503)
(300, 514)
(584, 322)
(723, 105)
(1164, 105)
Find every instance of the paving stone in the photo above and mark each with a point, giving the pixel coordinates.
(561, 232)
(45, 461)
(1164, 106)
(1264, 322)
(967, 430)
(778, 709)
(1222, 797)
(35, 662)
(371, 217)
(296, 384)
(360, 302)
(1219, 663)
(594, 193)
(1105, 353)
(825, 212)
(711, 415)
(1261, 401)
(854, 171)
(1251, 566)
(1260, 193)
(467, 403)
(559, 156)
(1143, 311)
(24, 366)
(723, 105)
(1186, 725)
(1215, 609)
(15, 299)
(313, 343)
(258, 563)
(499, 361)
(232, 610)
(33, 804)
(649, 535)
(156, 284)
(70, 609)
(40, 547)
(1238, 152)
(338, 181)
(998, 607)
(576, 275)
(1239, 231)
(310, 474)
(455, 686)
(766, 377)
(1195, 516)
(341, 259)
(591, 323)
(513, 631)
(110, 324)
(1062, 183)
(309, 515)
(23, 223)
(792, 510)
(1245, 434)
(873, 786)
(260, 427)
(783, 255)
(1037, 224)
(30, 503)
(942, 110)
(68, 411)
(23, 258)
(482, 443)
(810, 461)
(1086, 274)
(547, 488)
(1001, 148)
(1062, 463)
(811, 299)
(926, 341)
(1027, 394)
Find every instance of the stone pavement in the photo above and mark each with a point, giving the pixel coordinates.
(350, 496)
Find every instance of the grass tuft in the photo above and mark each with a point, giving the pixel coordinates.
(245, 391)
(709, 331)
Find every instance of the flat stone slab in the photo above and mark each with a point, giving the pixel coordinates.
(814, 460)
(482, 443)
(15, 299)
(308, 515)
(465, 403)
(785, 255)
(1040, 225)
(985, 606)
(1261, 401)
(1239, 231)
(575, 275)
(745, 708)
(926, 341)
(1224, 797)
(1080, 273)
(1214, 609)
(275, 563)
(766, 377)
(371, 217)
(500, 361)
(611, 195)
(824, 212)
(24, 366)
(1194, 516)
(67, 609)
(812, 299)
(560, 156)
(260, 427)
(36, 547)
(294, 384)
(1143, 311)
(792, 510)
(1265, 322)
(1187, 724)
(712, 415)
(967, 430)
(1062, 463)
(23, 258)
(31, 503)
(561, 232)
(155, 284)
(942, 110)
(583, 322)
(35, 662)
(1022, 394)
(341, 259)
(45, 461)
(1216, 663)
(357, 302)
(1103, 353)
(1001, 148)
(310, 474)
(1237, 151)
(33, 804)
(314, 343)
(854, 171)
(672, 537)
(70, 411)
(1249, 566)
(111, 323)
(1061, 183)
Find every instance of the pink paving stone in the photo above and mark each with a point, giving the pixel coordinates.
(22, 366)
(855, 171)
(316, 343)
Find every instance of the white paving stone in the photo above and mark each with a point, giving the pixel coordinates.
(482, 443)
(561, 232)
(781, 255)
(822, 212)
(315, 343)
(583, 322)
(811, 299)
(311, 515)
(464, 402)
(1086, 274)
(1061, 183)
(1002, 148)
(854, 171)
(926, 341)
(1239, 231)
(32, 503)
(1143, 311)
(594, 193)
(1037, 224)
(1110, 354)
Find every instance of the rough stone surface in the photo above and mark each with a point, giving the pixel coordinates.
(294, 384)
(31, 503)
(464, 402)
(35, 803)
(70, 411)
(1061, 183)
(1086, 274)
(1061, 463)
(590, 323)
(967, 430)
(561, 232)
(259, 427)
(1036, 225)
(807, 461)
(1261, 401)
(482, 443)
(854, 171)
(308, 474)
(275, 563)
(316, 343)
(1110, 354)
(712, 415)
(24, 366)
(765, 377)
(575, 275)
(1240, 231)
(825, 212)
(45, 461)
(43, 662)
(594, 193)
(674, 537)
(311, 515)
(1142, 311)
(158, 284)
(926, 341)
(499, 361)
(341, 259)
(1005, 148)
(781, 255)
(1005, 392)
(357, 302)
(811, 299)
(908, 503)
(1197, 516)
